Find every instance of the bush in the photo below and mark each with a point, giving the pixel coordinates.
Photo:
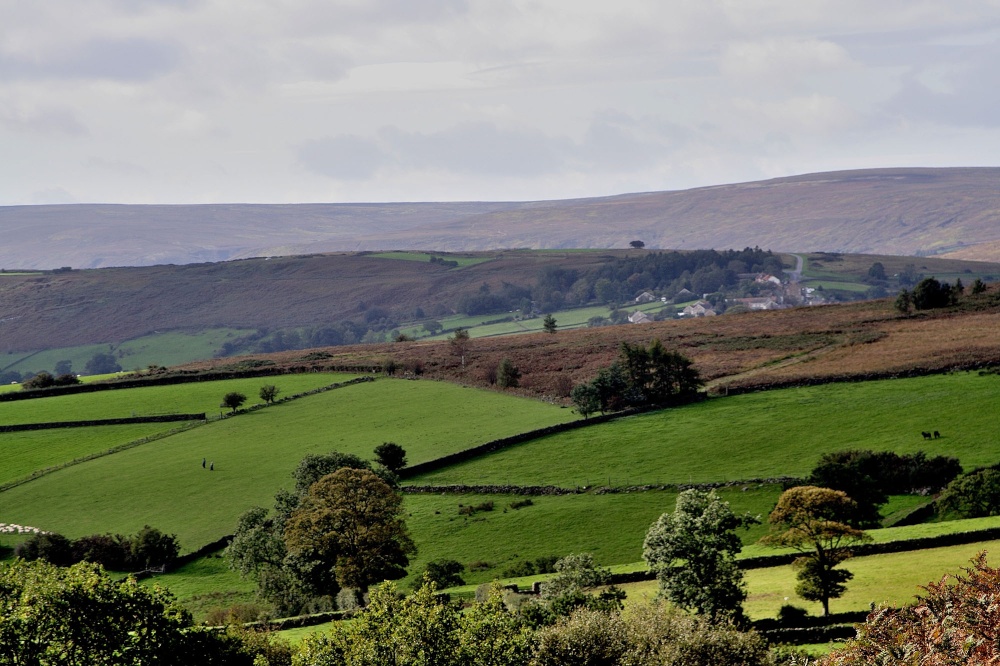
(792, 616)
(113, 552)
(48, 546)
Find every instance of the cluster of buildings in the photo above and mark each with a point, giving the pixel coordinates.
(781, 296)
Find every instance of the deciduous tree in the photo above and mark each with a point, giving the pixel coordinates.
(233, 401)
(814, 521)
(269, 392)
(352, 521)
(693, 553)
(391, 455)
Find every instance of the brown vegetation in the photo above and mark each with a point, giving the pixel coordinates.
(733, 352)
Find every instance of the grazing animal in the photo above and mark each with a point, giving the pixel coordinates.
(926, 435)
(937, 435)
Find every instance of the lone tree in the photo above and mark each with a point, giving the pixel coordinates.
(814, 521)
(637, 244)
(233, 401)
(102, 364)
(459, 342)
(549, 324)
(693, 553)
(269, 392)
(351, 520)
(586, 398)
(390, 455)
(508, 376)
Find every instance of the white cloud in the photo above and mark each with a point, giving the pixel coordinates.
(452, 99)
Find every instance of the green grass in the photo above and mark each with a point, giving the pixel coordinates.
(611, 526)
(163, 484)
(758, 435)
(169, 348)
(188, 398)
(425, 256)
(27, 452)
(204, 585)
(891, 578)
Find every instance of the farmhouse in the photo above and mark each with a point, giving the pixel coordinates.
(700, 309)
(639, 317)
(645, 297)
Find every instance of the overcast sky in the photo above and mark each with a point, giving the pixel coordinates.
(198, 101)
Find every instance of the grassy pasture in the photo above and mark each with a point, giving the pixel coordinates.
(168, 348)
(759, 435)
(611, 526)
(206, 584)
(26, 452)
(426, 256)
(163, 483)
(189, 398)
(891, 578)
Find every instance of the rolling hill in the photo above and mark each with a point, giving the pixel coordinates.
(903, 211)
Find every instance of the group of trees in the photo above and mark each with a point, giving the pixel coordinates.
(619, 279)
(869, 477)
(340, 528)
(147, 548)
(81, 615)
(693, 550)
(641, 376)
(929, 294)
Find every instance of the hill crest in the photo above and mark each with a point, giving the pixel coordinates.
(904, 211)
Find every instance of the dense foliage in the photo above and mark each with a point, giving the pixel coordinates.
(869, 477)
(641, 376)
(955, 621)
(693, 553)
(815, 522)
(148, 548)
(305, 572)
(80, 616)
(974, 495)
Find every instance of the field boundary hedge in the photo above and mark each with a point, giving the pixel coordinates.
(164, 418)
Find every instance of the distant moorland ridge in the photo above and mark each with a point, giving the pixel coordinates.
(952, 212)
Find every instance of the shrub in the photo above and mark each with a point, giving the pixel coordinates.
(792, 616)
(49, 546)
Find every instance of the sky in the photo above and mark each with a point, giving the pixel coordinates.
(268, 101)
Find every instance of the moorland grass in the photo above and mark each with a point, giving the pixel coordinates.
(163, 484)
(758, 435)
(188, 398)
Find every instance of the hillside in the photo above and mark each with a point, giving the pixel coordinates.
(880, 211)
(734, 353)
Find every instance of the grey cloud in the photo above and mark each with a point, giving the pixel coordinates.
(971, 98)
(43, 121)
(119, 60)
(345, 157)
(481, 148)
(613, 142)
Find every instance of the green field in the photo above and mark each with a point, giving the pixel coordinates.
(188, 398)
(759, 435)
(169, 348)
(611, 526)
(163, 483)
(426, 256)
(892, 578)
